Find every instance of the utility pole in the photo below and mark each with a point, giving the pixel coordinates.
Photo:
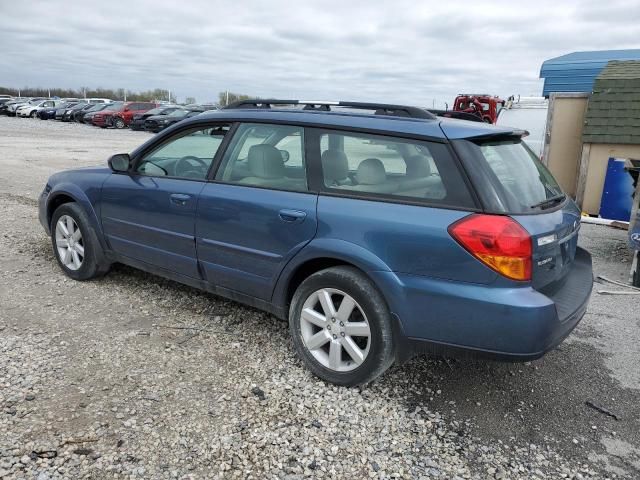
(226, 102)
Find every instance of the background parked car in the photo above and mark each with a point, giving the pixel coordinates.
(68, 115)
(31, 109)
(50, 112)
(4, 107)
(99, 100)
(158, 123)
(137, 122)
(121, 117)
(11, 111)
(87, 115)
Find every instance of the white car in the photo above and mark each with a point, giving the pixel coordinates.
(99, 100)
(530, 114)
(31, 109)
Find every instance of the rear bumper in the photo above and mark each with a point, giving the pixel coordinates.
(514, 324)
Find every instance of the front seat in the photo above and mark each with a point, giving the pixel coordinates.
(335, 168)
(266, 167)
(371, 176)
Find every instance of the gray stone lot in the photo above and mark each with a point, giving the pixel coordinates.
(133, 376)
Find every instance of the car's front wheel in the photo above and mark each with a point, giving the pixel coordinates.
(119, 123)
(341, 327)
(75, 244)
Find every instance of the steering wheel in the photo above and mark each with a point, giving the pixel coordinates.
(185, 168)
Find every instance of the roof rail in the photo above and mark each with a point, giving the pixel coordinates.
(325, 106)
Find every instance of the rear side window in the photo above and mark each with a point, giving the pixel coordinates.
(523, 182)
(376, 165)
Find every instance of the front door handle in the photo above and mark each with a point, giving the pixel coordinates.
(180, 199)
(292, 215)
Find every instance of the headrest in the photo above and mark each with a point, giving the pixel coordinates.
(371, 172)
(335, 165)
(418, 166)
(265, 161)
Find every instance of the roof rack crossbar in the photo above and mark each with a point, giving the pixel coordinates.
(378, 108)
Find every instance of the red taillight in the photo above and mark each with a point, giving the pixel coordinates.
(499, 242)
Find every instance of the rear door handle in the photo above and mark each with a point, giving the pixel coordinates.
(180, 199)
(292, 215)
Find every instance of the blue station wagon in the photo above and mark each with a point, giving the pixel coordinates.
(379, 231)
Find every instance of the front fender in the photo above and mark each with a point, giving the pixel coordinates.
(326, 248)
(81, 198)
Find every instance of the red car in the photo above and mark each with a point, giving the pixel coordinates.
(121, 116)
(484, 106)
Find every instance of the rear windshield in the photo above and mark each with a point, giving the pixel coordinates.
(524, 183)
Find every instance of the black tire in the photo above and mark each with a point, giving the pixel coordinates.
(635, 279)
(93, 264)
(119, 123)
(32, 114)
(382, 348)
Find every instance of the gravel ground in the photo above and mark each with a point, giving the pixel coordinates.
(133, 376)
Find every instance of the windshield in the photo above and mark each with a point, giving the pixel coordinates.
(179, 113)
(114, 106)
(525, 182)
(155, 111)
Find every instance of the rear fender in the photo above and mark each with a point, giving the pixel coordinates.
(325, 248)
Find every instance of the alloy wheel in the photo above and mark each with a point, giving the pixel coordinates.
(69, 243)
(335, 330)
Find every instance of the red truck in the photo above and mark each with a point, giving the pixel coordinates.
(483, 106)
(121, 116)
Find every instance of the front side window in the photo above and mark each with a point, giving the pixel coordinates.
(189, 155)
(266, 156)
(380, 165)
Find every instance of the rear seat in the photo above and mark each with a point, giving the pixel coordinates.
(418, 181)
(371, 176)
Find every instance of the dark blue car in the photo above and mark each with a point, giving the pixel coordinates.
(378, 231)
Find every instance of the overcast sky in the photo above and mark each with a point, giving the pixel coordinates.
(392, 51)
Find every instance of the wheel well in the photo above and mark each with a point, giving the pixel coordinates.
(55, 203)
(309, 268)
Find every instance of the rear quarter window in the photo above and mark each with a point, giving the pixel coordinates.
(380, 166)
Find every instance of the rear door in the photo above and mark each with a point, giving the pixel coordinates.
(148, 215)
(257, 213)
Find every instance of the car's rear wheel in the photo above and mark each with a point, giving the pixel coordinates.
(119, 123)
(341, 327)
(75, 244)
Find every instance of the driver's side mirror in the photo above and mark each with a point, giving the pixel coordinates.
(120, 162)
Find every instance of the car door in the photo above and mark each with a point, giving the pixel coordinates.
(257, 213)
(148, 214)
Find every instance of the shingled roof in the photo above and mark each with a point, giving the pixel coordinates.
(613, 114)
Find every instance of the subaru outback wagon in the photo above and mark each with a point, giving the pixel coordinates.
(378, 231)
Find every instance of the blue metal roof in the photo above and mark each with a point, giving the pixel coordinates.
(576, 72)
